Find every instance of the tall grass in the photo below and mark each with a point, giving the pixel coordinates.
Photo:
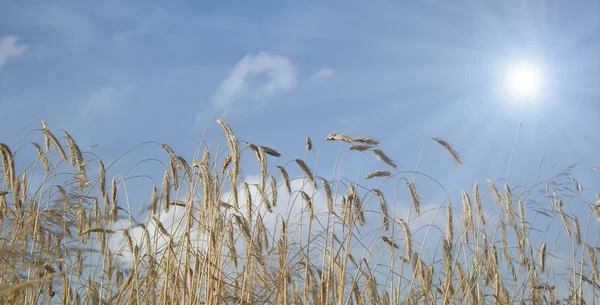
(290, 236)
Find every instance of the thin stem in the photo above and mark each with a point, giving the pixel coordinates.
(519, 126)
(515, 140)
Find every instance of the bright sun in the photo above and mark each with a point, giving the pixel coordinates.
(523, 80)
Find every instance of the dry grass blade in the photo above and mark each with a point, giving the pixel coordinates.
(328, 195)
(154, 201)
(168, 149)
(50, 138)
(270, 151)
(113, 191)
(209, 248)
(174, 174)
(166, 189)
(226, 163)
(347, 139)
(415, 201)
(507, 202)
(372, 290)
(234, 147)
(449, 149)
(206, 156)
(8, 163)
(308, 144)
(408, 238)
(385, 217)
(383, 157)
(74, 151)
(576, 230)
(307, 172)
(64, 195)
(248, 202)
(255, 150)
(286, 179)
(102, 178)
(467, 213)
(378, 174)
(96, 230)
(543, 258)
(449, 224)
(565, 222)
(366, 141)
(263, 171)
(309, 204)
(355, 204)
(478, 203)
(360, 147)
(42, 156)
(594, 262)
(495, 192)
(390, 242)
(18, 287)
(274, 192)
(185, 167)
(338, 137)
(46, 138)
(265, 199)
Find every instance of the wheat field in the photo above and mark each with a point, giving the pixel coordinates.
(291, 234)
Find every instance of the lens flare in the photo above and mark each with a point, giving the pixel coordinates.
(523, 81)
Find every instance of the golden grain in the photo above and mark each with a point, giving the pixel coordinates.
(199, 257)
(308, 144)
(270, 151)
(328, 195)
(449, 224)
(309, 205)
(390, 242)
(274, 193)
(42, 156)
(383, 157)
(449, 149)
(8, 164)
(306, 171)
(415, 201)
(360, 147)
(378, 174)
(354, 201)
(286, 179)
(50, 138)
(408, 237)
(543, 258)
(385, 217)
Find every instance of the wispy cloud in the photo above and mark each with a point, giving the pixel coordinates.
(10, 49)
(257, 78)
(323, 73)
(127, 34)
(104, 100)
(65, 25)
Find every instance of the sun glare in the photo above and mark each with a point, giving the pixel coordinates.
(523, 81)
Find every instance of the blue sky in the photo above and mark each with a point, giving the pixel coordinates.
(120, 73)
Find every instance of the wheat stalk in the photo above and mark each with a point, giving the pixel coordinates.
(415, 201)
(307, 172)
(378, 174)
(383, 157)
(449, 149)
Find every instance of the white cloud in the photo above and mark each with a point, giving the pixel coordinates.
(323, 73)
(104, 99)
(10, 49)
(256, 77)
(289, 207)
